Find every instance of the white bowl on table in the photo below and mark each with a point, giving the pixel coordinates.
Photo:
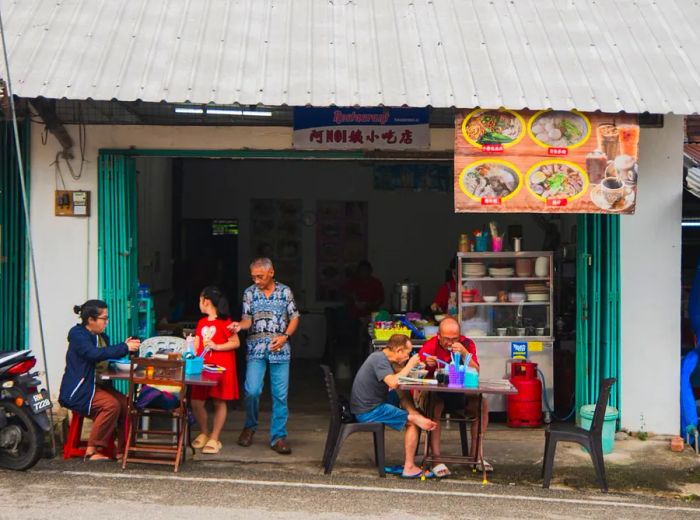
(490, 299)
(123, 366)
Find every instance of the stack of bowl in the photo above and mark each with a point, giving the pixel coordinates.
(473, 269)
(501, 272)
(537, 292)
(523, 267)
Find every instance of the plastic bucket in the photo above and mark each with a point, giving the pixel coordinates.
(586, 414)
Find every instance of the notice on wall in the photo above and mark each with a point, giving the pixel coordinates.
(361, 128)
(549, 161)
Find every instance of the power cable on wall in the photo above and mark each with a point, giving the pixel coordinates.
(25, 205)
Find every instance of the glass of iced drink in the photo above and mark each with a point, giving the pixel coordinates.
(608, 140)
(629, 140)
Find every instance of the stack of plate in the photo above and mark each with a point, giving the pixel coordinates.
(537, 292)
(473, 269)
(501, 272)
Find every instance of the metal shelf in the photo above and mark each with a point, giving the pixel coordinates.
(504, 279)
(501, 304)
(505, 254)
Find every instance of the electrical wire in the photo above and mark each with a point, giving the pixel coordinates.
(25, 204)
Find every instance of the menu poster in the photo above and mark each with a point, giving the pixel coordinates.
(550, 161)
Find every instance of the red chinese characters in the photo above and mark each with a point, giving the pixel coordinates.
(557, 151)
(491, 201)
(556, 203)
(492, 148)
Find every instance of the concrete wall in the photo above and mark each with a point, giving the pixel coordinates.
(651, 285)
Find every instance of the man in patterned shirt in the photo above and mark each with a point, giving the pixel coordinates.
(271, 317)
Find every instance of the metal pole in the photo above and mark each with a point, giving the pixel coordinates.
(25, 204)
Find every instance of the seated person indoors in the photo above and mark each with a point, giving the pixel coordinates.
(370, 394)
(450, 340)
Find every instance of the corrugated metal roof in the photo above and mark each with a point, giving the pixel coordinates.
(610, 55)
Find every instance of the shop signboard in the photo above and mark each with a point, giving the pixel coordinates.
(549, 161)
(361, 128)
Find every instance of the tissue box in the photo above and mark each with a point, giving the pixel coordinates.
(194, 366)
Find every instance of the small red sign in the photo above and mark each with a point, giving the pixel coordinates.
(492, 148)
(556, 203)
(557, 151)
(491, 201)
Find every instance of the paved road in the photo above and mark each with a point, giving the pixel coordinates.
(75, 490)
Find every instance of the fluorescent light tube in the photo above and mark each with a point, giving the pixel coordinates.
(188, 110)
(224, 112)
(258, 113)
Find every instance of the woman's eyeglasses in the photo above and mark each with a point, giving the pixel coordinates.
(106, 318)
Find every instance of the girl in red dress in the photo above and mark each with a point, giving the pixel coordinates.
(213, 335)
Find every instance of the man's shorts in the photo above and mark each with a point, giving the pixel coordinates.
(393, 416)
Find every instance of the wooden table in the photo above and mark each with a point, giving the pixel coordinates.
(203, 379)
(484, 387)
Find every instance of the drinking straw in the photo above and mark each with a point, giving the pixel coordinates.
(440, 361)
(467, 359)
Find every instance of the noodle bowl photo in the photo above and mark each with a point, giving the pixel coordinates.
(559, 128)
(557, 180)
(483, 127)
(490, 178)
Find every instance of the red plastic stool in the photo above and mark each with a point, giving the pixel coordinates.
(74, 446)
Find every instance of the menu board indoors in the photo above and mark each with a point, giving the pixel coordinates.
(545, 162)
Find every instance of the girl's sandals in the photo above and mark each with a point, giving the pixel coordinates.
(200, 441)
(212, 447)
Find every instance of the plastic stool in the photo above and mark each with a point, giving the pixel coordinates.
(74, 446)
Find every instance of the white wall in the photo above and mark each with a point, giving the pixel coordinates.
(651, 273)
(411, 234)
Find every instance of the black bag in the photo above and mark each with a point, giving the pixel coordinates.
(346, 415)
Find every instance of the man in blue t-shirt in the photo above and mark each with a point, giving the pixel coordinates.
(370, 396)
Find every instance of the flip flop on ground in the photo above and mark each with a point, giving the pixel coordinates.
(419, 474)
(479, 467)
(200, 441)
(441, 471)
(212, 447)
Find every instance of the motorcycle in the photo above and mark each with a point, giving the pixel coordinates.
(23, 412)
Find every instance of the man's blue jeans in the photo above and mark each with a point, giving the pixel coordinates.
(279, 386)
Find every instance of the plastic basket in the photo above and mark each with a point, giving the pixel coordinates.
(385, 334)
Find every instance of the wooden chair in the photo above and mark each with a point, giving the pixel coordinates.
(149, 371)
(591, 439)
(339, 430)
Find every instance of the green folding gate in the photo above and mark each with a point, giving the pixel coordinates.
(13, 241)
(118, 243)
(598, 307)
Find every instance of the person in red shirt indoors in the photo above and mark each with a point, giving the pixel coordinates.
(365, 291)
(450, 340)
(442, 298)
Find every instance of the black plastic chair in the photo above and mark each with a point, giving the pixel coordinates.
(591, 439)
(339, 430)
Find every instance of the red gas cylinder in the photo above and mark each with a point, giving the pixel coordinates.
(525, 407)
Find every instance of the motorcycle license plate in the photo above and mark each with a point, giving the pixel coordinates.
(39, 402)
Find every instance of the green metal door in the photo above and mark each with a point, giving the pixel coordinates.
(13, 241)
(118, 243)
(598, 307)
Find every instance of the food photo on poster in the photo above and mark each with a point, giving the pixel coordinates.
(546, 161)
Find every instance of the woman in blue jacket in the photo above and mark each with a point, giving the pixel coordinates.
(88, 352)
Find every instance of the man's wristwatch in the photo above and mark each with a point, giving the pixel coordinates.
(285, 335)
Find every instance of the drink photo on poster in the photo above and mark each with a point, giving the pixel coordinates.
(618, 148)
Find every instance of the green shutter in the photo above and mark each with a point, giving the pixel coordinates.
(598, 307)
(13, 241)
(118, 243)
